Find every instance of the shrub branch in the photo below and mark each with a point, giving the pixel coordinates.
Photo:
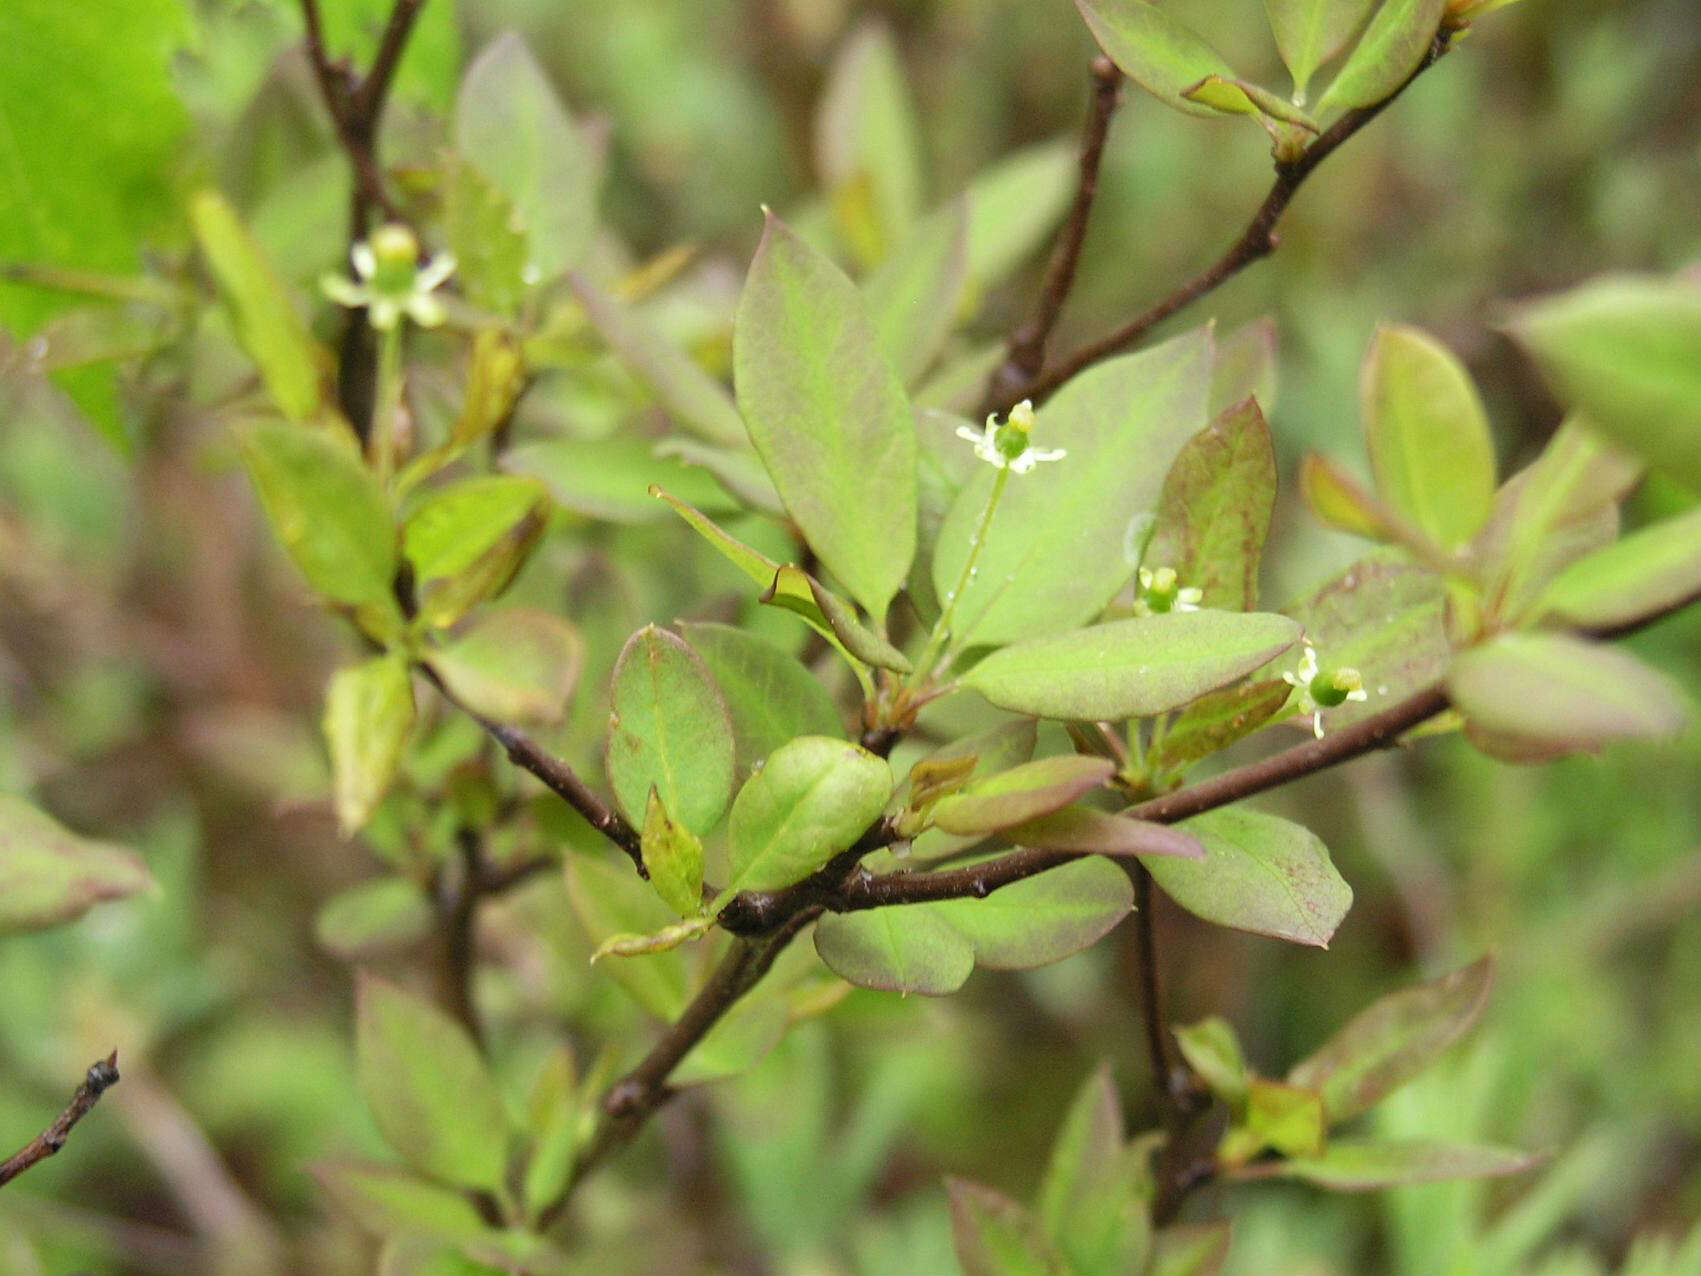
(102, 1076)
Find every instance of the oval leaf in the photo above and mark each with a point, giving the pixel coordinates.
(1430, 448)
(1043, 918)
(1370, 1165)
(827, 415)
(1261, 874)
(1157, 52)
(812, 799)
(673, 857)
(913, 298)
(468, 540)
(670, 731)
(513, 665)
(1311, 32)
(904, 949)
(1021, 794)
(49, 875)
(427, 1087)
(1131, 667)
(1556, 693)
(1639, 576)
(368, 717)
(771, 696)
(1393, 46)
(1081, 828)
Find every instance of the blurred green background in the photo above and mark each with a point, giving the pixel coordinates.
(160, 679)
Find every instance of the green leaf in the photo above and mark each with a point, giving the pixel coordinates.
(665, 940)
(1044, 918)
(1554, 693)
(1013, 206)
(771, 696)
(468, 540)
(495, 377)
(1021, 794)
(812, 798)
(1128, 668)
(512, 128)
(1212, 1049)
(796, 590)
(1189, 1249)
(1373, 1164)
(1340, 501)
(753, 563)
(1157, 52)
(1055, 554)
(905, 949)
(374, 917)
(828, 415)
(1391, 50)
(385, 1199)
(1214, 512)
(868, 144)
(368, 719)
(913, 297)
(479, 227)
(1215, 721)
(1385, 617)
(690, 395)
(1242, 97)
(1245, 368)
(1261, 874)
(1623, 351)
(1285, 1117)
(1312, 32)
(553, 1117)
(427, 1087)
(514, 665)
(1004, 746)
(1081, 828)
(1393, 1040)
(994, 1236)
(1430, 448)
(1093, 1201)
(326, 510)
(673, 857)
(50, 875)
(610, 479)
(1642, 575)
(263, 312)
(670, 731)
(1561, 507)
(611, 900)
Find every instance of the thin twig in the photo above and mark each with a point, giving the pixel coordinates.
(374, 90)
(1165, 1074)
(1257, 241)
(102, 1076)
(1026, 353)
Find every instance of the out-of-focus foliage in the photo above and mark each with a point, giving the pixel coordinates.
(162, 674)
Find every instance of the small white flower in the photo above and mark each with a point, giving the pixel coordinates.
(391, 282)
(1005, 447)
(1327, 690)
(1161, 591)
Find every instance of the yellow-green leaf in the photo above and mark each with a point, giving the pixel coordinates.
(368, 718)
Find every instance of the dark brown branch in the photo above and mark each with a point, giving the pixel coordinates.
(1166, 1077)
(354, 110)
(102, 1076)
(1257, 241)
(374, 90)
(1026, 354)
(525, 753)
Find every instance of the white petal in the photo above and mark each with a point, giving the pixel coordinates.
(425, 310)
(383, 313)
(345, 292)
(435, 272)
(365, 262)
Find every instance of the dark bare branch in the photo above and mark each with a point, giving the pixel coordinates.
(102, 1076)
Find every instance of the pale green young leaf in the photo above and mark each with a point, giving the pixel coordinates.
(771, 696)
(1261, 874)
(905, 949)
(812, 799)
(326, 510)
(670, 731)
(479, 228)
(50, 875)
(610, 479)
(1214, 511)
(752, 562)
(1129, 668)
(913, 297)
(1093, 1203)
(690, 395)
(1021, 794)
(495, 377)
(673, 857)
(1393, 1040)
(610, 900)
(796, 590)
(1212, 1049)
(427, 1088)
(1311, 32)
(1647, 572)
(1155, 50)
(868, 144)
(468, 540)
(665, 940)
(1555, 693)
(1391, 49)
(1430, 447)
(1370, 1165)
(1286, 1117)
(273, 333)
(513, 665)
(387, 1199)
(1242, 97)
(994, 1236)
(1626, 352)
(828, 415)
(1085, 1152)
(999, 749)
(1081, 828)
(510, 125)
(1044, 918)
(369, 716)
(1340, 501)
(1012, 208)
(1055, 554)
(374, 917)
